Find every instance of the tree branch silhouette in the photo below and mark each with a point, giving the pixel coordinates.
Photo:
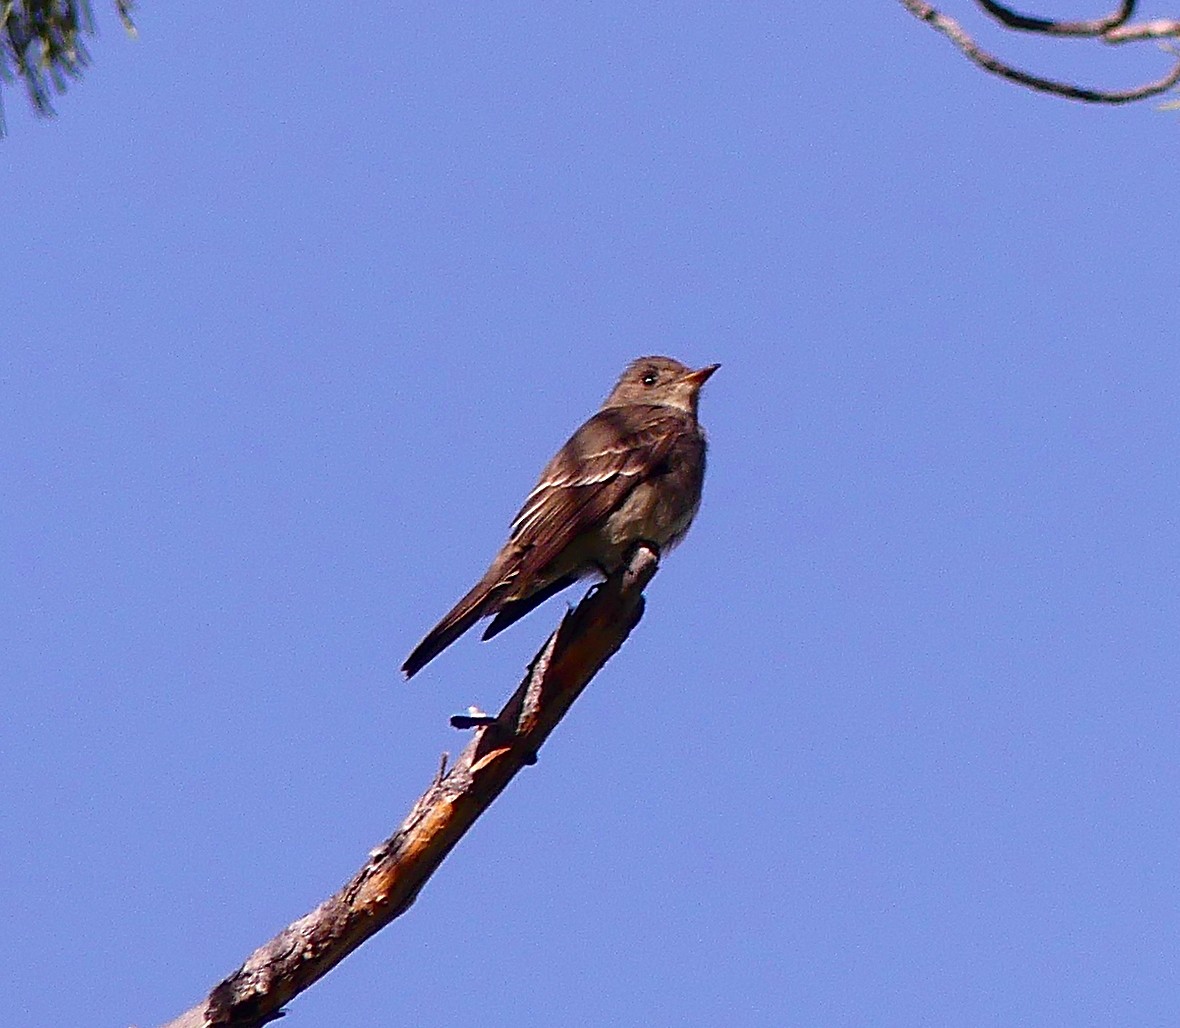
(387, 884)
(1112, 29)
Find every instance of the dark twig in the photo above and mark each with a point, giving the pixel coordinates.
(395, 871)
(1048, 27)
(1111, 29)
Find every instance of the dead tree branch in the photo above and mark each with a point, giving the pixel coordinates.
(395, 871)
(1112, 29)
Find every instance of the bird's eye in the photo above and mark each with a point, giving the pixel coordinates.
(650, 378)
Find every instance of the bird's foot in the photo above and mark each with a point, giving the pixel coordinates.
(474, 718)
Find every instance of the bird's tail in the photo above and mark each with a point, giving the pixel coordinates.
(480, 602)
(510, 611)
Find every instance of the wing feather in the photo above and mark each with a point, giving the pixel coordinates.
(590, 476)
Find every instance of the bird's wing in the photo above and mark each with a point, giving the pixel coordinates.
(590, 476)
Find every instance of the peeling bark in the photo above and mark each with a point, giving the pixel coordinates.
(390, 879)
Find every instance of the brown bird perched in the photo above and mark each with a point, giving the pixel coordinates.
(631, 474)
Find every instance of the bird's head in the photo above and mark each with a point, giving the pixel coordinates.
(661, 381)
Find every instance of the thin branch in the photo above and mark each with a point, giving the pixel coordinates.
(989, 62)
(1048, 27)
(1161, 28)
(1111, 29)
(395, 871)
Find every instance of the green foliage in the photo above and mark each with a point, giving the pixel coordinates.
(42, 45)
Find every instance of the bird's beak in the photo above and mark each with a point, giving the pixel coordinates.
(699, 377)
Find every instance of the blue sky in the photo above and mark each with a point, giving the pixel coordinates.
(293, 314)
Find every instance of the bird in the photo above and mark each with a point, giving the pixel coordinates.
(631, 474)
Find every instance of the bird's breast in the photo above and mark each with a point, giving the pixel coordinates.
(656, 511)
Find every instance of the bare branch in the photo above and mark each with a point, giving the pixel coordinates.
(395, 871)
(1049, 27)
(1110, 30)
(1161, 28)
